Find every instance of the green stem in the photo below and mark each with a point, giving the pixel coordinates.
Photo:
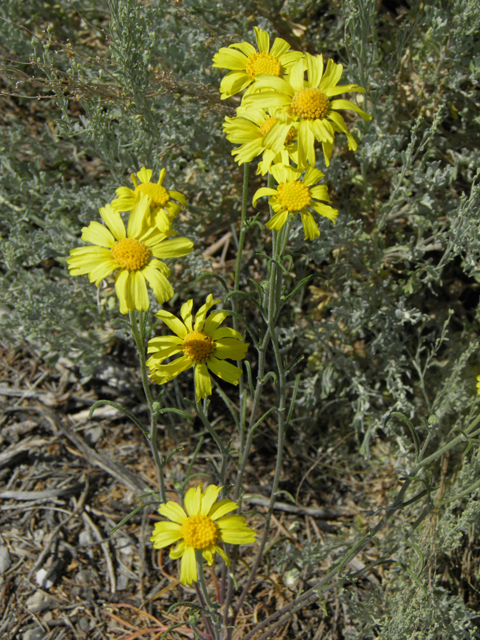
(209, 428)
(274, 288)
(139, 335)
(236, 285)
(212, 612)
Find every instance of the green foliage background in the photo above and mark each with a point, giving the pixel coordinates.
(94, 90)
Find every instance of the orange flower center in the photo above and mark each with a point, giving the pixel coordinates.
(131, 254)
(199, 532)
(293, 196)
(310, 103)
(158, 194)
(263, 62)
(268, 124)
(198, 346)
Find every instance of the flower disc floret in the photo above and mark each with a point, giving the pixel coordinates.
(198, 346)
(263, 62)
(136, 254)
(163, 208)
(293, 196)
(250, 129)
(268, 124)
(201, 343)
(131, 254)
(159, 195)
(204, 524)
(310, 103)
(199, 532)
(246, 62)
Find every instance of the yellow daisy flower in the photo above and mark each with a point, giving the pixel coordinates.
(201, 526)
(134, 252)
(294, 196)
(251, 130)
(308, 103)
(478, 384)
(204, 344)
(246, 63)
(162, 208)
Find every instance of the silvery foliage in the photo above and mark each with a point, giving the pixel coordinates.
(389, 324)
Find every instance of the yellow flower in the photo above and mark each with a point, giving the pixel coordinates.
(308, 103)
(294, 196)
(204, 344)
(133, 252)
(246, 63)
(251, 130)
(201, 526)
(478, 384)
(162, 208)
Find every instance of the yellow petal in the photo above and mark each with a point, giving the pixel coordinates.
(188, 568)
(309, 225)
(347, 104)
(165, 538)
(263, 40)
(179, 550)
(230, 348)
(122, 291)
(99, 235)
(186, 313)
(221, 508)
(278, 220)
(230, 59)
(202, 312)
(144, 175)
(314, 69)
(161, 286)
(173, 511)
(224, 370)
(214, 320)
(139, 290)
(173, 248)
(209, 498)
(262, 192)
(101, 271)
(203, 382)
(113, 220)
(192, 501)
(222, 554)
(136, 219)
(173, 323)
(166, 372)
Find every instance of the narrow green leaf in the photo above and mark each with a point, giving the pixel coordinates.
(130, 515)
(110, 403)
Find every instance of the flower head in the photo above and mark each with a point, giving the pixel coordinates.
(478, 384)
(133, 252)
(204, 344)
(202, 524)
(162, 207)
(294, 196)
(308, 103)
(251, 130)
(246, 63)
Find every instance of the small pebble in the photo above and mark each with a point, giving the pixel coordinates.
(39, 601)
(84, 624)
(5, 560)
(34, 634)
(93, 434)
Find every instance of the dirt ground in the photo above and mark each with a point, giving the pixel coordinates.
(67, 481)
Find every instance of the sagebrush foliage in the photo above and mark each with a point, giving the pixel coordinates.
(391, 322)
